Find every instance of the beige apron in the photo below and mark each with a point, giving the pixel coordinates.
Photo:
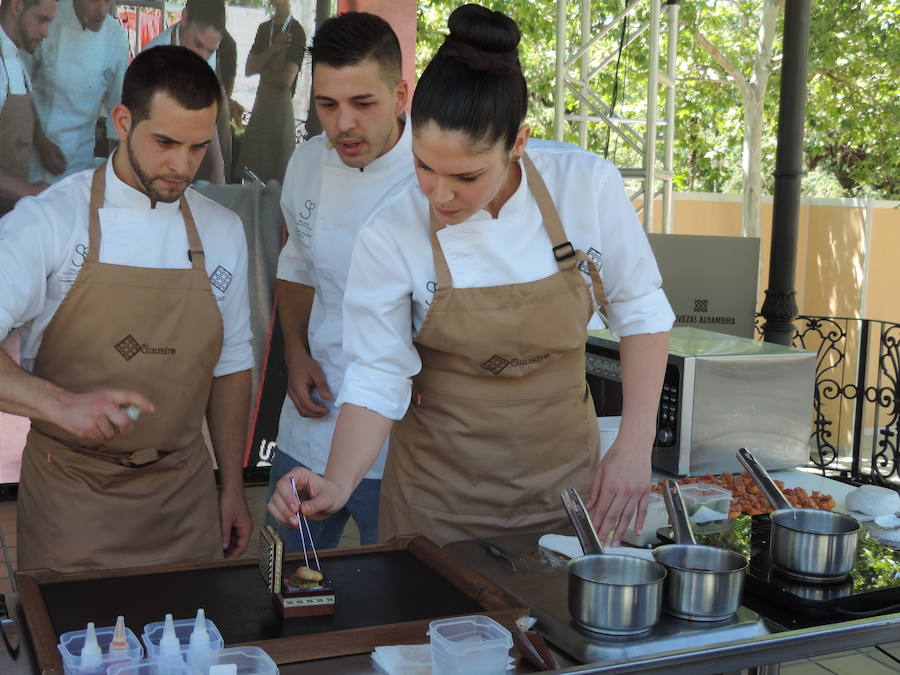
(148, 496)
(223, 124)
(501, 418)
(16, 132)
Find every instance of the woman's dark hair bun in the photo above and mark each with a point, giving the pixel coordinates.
(483, 29)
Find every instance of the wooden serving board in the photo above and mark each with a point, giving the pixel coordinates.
(386, 595)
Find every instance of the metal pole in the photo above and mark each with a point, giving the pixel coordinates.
(585, 71)
(780, 306)
(652, 115)
(559, 96)
(669, 142)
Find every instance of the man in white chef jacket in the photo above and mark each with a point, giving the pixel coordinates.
(77, 71)
(151, 232)
(201, 29)
(333, 183)
(23, 25)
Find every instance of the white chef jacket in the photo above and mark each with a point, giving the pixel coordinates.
(165, 38)
(325, 202)
(13, 75)
(76, 73)
(44, 241)
(392, 277)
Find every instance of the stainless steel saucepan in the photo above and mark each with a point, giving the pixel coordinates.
(811, 545)
(704, 583)
(610, 594)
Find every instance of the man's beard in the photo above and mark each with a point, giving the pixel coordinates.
(29, 45)
(146, 180)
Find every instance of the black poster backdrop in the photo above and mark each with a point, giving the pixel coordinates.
(270, 396)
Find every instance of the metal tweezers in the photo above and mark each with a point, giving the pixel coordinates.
(504, 557)
(301, 524)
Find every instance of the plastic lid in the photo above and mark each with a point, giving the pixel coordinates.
(223, 669)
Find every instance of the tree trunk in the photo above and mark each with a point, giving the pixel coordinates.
(752, 163)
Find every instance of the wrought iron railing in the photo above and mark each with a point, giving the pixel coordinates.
(856, 407)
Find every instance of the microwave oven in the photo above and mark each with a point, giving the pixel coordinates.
(720, 393)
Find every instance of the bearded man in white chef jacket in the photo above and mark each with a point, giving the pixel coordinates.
(333, 183)
(77, 71)
(130, 294)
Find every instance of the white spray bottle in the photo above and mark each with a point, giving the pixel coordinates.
(91, 654)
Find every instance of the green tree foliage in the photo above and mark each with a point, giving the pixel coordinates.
(853, 119)
(854, 84)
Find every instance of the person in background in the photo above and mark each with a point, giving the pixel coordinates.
(277, 56)
(466, 315)
(130, 294)
(201, 30)
(77, 72)
(333, 183)
(23, 25)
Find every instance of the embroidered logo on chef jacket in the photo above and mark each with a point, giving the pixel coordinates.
(432, 287)
(129, 347)
(595, 256)
(304, 222)
(221, 278)
(497, 364)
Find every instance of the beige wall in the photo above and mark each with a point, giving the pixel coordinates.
(846, 265)
(847, 261)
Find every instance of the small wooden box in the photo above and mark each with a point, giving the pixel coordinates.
(290, 601)
(313, 602)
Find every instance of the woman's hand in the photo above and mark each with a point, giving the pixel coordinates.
(321, 497)
(621, 490)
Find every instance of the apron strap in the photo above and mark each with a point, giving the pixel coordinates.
(564, 251)
(98, 192)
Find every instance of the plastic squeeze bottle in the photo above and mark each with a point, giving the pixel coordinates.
(91, 654)
(169, 645)
(198, 648)
(118, 648)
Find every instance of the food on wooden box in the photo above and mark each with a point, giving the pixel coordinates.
(747, 498)
(305, 578)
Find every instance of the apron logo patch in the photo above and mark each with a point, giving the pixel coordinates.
(129, 347)
(221, 278)
(497, 364)
(595, 256)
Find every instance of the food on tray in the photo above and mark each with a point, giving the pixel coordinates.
(873, 500)
(747, 498)
(303, 576)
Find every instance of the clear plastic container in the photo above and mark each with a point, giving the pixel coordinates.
(657, 517)
(244, 661)
(469, 645)
(705, 502)
(148, 667)
(71, 643)
(183, 629)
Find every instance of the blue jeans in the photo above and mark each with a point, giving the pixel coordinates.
(362, 506)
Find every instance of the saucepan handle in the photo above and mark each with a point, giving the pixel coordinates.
(762, 479)
(681, 526)
(590, 543)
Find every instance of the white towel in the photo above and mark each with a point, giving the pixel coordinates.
(571, 547)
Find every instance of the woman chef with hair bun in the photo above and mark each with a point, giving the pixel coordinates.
(466, 314)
